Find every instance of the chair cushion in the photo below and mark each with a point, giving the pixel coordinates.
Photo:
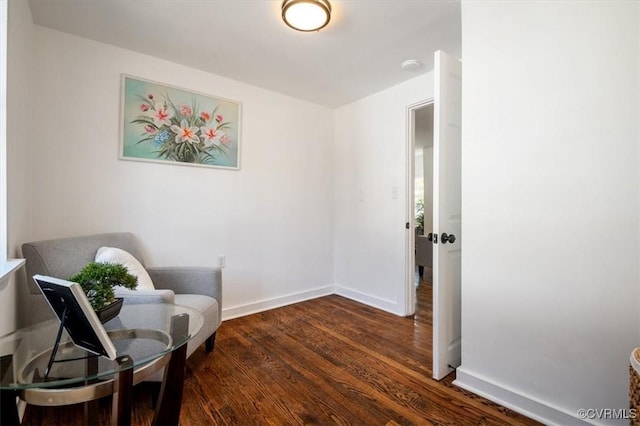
(208, 307)
(198, 302)
(116, 255)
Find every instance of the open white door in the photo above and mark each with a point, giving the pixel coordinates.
(446, 214)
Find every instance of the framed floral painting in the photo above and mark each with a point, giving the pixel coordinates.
(162, 123)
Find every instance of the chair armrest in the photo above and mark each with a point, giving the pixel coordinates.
(136, 297)
(185, 280)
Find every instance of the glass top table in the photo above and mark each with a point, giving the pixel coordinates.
(146, 338)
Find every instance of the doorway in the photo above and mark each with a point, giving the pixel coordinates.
(420, 199)
(423, 192)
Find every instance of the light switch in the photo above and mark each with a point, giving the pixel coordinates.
(394, 192)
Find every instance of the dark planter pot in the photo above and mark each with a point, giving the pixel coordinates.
(110, 311)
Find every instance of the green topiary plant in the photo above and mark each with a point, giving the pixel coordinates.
(420, 216)
(98, 279)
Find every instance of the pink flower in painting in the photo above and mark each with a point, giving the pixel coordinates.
(182, 131)
(210, 136)
(185, 133)
(162, 115)
(186, 110)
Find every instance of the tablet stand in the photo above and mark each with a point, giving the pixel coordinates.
(55, 346)
(54, 350)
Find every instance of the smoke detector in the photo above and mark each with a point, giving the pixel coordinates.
(411, 65)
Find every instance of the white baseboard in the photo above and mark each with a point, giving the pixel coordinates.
(276, 302)
(376, 302)
(523, 404)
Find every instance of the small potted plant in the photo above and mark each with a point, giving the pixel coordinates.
(98, 280)
(420, 218)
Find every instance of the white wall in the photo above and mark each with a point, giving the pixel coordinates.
(370, 151)
(427, 167)
(424, 139)
(418, 171)
(272, 219)
(19, 125)
(550, 203)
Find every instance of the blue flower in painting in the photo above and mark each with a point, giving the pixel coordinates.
(161, 138)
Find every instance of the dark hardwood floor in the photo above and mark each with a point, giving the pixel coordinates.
(322, 362)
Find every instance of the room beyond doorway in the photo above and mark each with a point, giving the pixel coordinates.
(423, 187)
(420, 194)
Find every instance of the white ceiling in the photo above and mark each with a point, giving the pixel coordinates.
(357, 54)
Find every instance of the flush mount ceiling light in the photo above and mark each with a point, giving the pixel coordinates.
(306, 15)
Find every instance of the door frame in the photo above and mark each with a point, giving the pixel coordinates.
(410, 243)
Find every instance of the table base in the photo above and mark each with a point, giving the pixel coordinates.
(167, 408)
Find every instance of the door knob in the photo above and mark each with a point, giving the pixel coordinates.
(430, 236)
(448, 238)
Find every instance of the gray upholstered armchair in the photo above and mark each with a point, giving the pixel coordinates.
(198, 288)
(424, 253)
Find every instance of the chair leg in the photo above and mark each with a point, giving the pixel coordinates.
(210, 343)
